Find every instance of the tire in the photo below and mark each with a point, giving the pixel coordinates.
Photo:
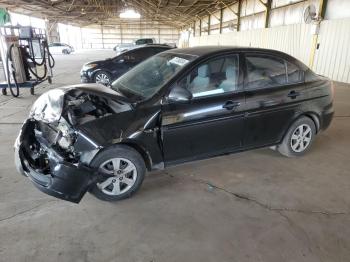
(4, 91)
(298, 138)
(103, 78)
(65, 52)
(120, 185)
(32, 91)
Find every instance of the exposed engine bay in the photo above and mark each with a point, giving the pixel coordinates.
(54, 126)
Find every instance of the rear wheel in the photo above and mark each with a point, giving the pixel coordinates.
(299, 138)
(65, 52)
(123, 169)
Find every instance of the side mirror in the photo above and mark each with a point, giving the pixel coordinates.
(179, 94)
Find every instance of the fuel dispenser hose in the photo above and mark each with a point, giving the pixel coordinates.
(51, 62)
(13, 73)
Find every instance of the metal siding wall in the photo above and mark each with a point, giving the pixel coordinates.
(293, 39)
(333, 56)
(332, 59)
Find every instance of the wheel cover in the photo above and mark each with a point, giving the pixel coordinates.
(124, 175)
(102, 78)
(301, 138)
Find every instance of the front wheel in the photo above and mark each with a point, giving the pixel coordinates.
(122, 169)
(103, 78)
(299, 138)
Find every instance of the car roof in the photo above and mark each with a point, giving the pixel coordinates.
(208, 50)
(201, 51)
(151, 45)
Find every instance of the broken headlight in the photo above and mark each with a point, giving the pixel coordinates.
(48, 107)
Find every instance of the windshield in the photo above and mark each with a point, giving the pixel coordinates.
(147, 78)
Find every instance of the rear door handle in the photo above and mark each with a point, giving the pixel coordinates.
(293, 94)
(229, 105)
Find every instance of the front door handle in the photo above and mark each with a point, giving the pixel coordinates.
(293, 94)
(229, 105)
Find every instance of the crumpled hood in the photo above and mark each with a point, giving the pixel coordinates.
(49, 106)
(96, 89)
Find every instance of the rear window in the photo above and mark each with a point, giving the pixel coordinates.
(266, 71)
(294, 73)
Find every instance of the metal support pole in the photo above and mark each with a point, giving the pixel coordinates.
(322, 11)
(239, 15)
(200, 27)
(103, 40)
(121, 33)
(194, 28)
(221, 18)
(208, 24)
(267, 13)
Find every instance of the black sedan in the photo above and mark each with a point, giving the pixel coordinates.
(180, 105)
(105, 71)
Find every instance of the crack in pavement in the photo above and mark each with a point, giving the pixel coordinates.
(25, 211)
(261, 204)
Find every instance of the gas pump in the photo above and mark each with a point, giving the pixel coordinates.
(26, 58)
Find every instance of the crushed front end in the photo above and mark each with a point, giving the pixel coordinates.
(51, 149)
(55, 171)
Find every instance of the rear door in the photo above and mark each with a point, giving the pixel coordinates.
(274, 89)
(213, 121)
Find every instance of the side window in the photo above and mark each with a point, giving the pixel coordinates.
(140, 42)
(265, 71)
(139, 55)
(213, 77)
(294, 73)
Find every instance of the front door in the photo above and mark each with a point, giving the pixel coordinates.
(212, 121)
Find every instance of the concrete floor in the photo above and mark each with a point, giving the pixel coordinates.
(252, 206)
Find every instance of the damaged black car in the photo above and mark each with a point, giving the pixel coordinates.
(180, 105)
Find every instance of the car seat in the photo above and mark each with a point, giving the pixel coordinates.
(201, 82)
(230, 84)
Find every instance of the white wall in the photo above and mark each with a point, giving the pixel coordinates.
(108, 36)
(288, 33)
(292, 39)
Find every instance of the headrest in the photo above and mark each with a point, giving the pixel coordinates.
(231, 72)
(203, 71)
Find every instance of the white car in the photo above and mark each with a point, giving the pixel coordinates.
(124, 47)
(60, 48)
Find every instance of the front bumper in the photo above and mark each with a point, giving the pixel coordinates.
(86, 77)
(65, 180)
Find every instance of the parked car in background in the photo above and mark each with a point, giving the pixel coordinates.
(105, 71)
(123, 47)
(179, 105)
(144, 41)
(128, 46)
(60, 48)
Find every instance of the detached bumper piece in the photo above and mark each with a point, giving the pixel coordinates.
(62, 179)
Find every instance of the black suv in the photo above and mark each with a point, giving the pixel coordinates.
(105, 71)
(180, 105)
